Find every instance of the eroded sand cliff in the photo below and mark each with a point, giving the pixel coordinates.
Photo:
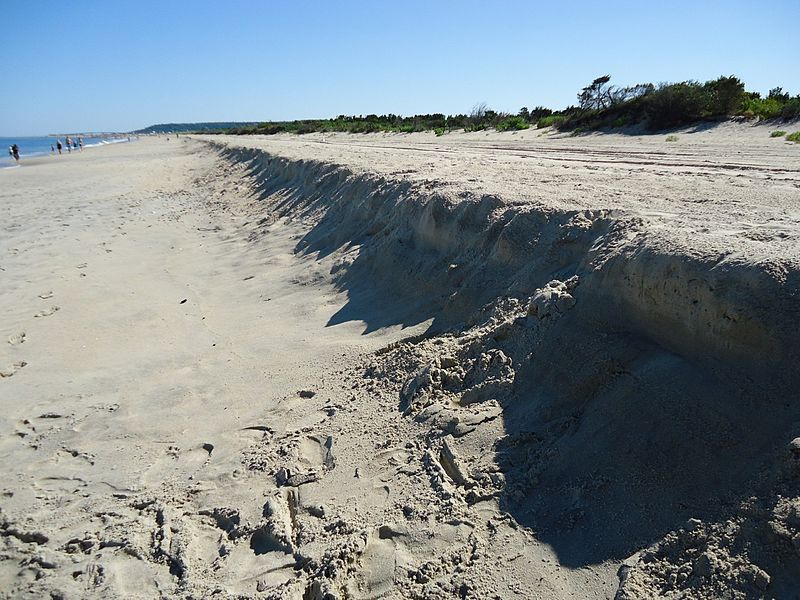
(471, 366)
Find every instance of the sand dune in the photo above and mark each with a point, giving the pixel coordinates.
(401, 366)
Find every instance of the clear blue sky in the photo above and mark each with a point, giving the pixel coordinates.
(92, 65)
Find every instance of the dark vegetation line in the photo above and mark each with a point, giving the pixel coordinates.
(213, 127)
(601, 105)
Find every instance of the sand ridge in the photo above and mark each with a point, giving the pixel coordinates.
(714, 183)
(317, 371)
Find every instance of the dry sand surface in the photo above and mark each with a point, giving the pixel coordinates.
(403, 366)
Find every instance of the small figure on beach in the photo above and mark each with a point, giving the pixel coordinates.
(80, 143)
(14, 151)
(52, 149)
(69, 144)
(58, 145)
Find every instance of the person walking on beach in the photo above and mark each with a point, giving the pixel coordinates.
(15, 152)
(58, 145)
(80, 143)
(69, 144)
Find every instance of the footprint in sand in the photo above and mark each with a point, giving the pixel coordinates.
(74, 453)
(17, 338)
(24, 428)
(10, 370)
(48, 311)
(46, 295)
(317, 451)
(178, 462)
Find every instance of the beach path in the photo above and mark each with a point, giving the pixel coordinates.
(149, 335)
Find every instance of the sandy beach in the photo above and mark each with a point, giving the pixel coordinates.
(477, 365)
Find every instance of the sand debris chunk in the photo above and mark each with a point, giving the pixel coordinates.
(553, 299)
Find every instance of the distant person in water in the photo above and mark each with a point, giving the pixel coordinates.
(15, 152)
(69, 144)
(52, 149)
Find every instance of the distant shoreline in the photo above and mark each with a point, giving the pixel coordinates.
(41, 148)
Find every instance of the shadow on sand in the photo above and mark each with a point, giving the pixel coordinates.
(612, 439)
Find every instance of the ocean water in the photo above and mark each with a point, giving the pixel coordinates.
(40, 146)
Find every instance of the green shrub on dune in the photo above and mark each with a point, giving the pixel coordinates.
(550, 121)
(668, 105)
(512, 123)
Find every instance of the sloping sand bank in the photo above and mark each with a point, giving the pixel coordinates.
(631, 379)
(387, 380)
